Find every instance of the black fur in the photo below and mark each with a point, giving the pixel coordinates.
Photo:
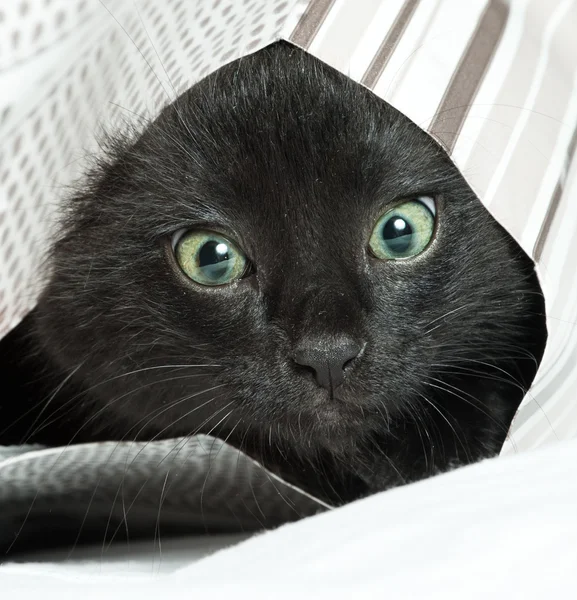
(295, 162)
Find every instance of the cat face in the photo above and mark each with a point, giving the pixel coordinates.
(284, 260)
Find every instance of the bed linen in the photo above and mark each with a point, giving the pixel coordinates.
(504, 528)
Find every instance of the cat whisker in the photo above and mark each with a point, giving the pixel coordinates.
(156, 436)
(44, 401)
(458, 393)
(71, 441)
(54, 417)
(210, 463)
(389, 461)
(455, 434)
(510, 377)
(91, 419)
(416, 409)
(386, 415)
(418, 421)
(242, 449)
(533, 399)
(448, 313)
(163, 494)
(175, 403)
(118, 491)
(83, 522)
(126, 510)
(472, 373)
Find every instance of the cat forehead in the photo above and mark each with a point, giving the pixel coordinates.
(282, 126)
(279, 92)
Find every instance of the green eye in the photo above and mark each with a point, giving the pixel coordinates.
(209, 258)
(404, 231)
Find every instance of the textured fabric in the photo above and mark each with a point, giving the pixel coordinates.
(99, 491)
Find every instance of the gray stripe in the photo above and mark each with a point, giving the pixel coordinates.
(555, 200)
(310, 23)
(469, 74)
(389, 44)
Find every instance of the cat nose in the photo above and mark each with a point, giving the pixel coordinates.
(327, 358)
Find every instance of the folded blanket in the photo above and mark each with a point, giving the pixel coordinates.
(103, 491)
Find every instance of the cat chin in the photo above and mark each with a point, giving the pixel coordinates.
(335, 415)
(329, 424)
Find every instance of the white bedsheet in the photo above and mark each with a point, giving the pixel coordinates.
(504, 528)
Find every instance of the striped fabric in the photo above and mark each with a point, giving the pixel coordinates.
(494, 81)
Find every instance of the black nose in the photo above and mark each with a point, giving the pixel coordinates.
(327, 358)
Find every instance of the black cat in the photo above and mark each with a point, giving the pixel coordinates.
(285, 261)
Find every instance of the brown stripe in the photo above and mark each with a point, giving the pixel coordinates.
(555, 200)
(387, 47)
(469, 74)
(310, 23)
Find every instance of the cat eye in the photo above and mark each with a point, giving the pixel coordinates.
(209, 258)
(404, 231)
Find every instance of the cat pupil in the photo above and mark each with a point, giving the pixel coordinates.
(397, 234)
(213, 259)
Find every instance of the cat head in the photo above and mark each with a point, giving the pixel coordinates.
(283, 259)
